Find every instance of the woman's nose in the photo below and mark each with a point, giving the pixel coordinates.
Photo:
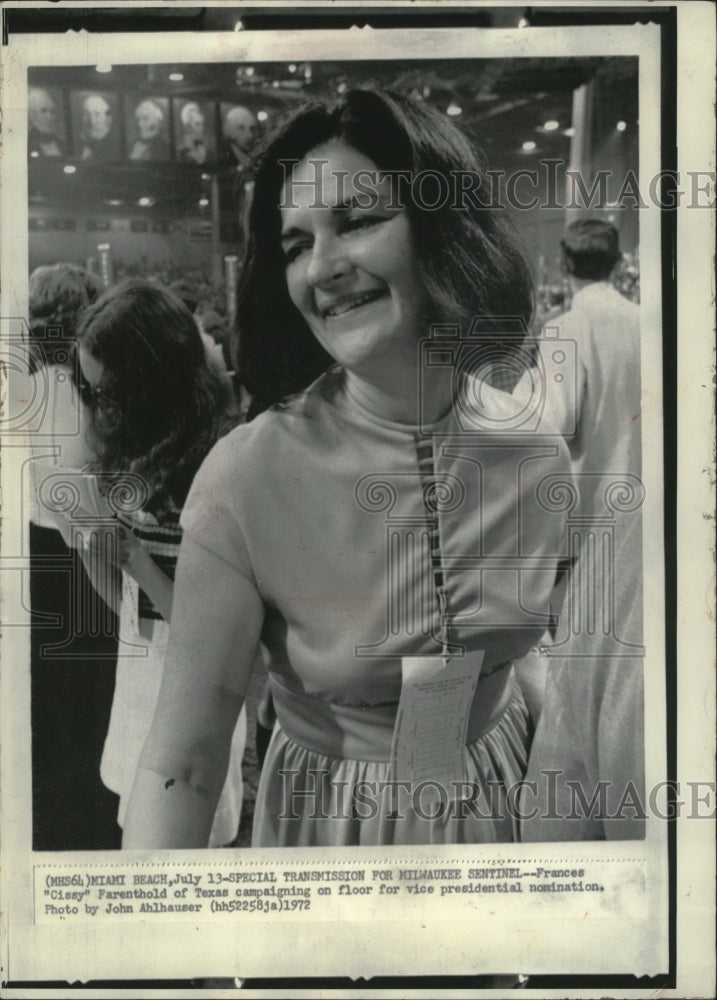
(328, 262)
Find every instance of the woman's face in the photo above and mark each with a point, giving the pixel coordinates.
(351, 266)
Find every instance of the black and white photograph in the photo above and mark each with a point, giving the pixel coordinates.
(341, 549)
(562, 279)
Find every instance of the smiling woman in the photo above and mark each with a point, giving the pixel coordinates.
(373, 522)
(352, 272)
(466, 260)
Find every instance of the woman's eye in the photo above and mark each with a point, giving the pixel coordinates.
(343, 226)
(294, 251)
(361, 222)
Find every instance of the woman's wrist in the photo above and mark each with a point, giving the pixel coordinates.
(139, 564)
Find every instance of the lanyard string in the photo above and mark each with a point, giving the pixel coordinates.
(426, 468)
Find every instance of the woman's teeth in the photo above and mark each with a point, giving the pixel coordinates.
(345, 305)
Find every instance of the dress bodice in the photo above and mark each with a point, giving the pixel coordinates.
(342, 524)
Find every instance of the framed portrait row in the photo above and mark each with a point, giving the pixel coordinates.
(103, 126)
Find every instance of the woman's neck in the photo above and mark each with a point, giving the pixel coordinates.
(404, 397)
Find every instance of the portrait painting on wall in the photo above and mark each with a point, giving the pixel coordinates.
(46, 130)
(239, 134)
(195, 132)
(96, 126)
(147, 128)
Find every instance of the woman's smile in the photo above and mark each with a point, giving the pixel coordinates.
(351, 301)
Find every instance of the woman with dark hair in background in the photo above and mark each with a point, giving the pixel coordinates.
(156, 408)
(373, 514)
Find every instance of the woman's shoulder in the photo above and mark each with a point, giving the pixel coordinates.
(269, 434)
(488, 409)
(519, 423)
(245, 466)
(484, 409)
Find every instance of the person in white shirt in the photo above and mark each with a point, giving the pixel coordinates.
(600, 411)
(591, 728)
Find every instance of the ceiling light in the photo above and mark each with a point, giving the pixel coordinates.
(103, 68)
(621, 126)
(176, 77)
(551, 125)
(145, 202)
(528, 146)
(249, 71)
(454, 109)
(292, 67)
(570, 132)
(114, 201)
(34, 154)
(261, 116)
(206, 177)
(204, 202)
(69, 168)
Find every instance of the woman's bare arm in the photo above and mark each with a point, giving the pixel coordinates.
(110, 552)
(134, 559)
(102, 570)
(216, 622)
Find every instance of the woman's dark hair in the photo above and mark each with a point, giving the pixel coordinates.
(58, 294)
(159, 407)
(590, 249)
(470, 260)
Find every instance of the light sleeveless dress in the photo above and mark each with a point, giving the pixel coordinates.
(323, 507)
